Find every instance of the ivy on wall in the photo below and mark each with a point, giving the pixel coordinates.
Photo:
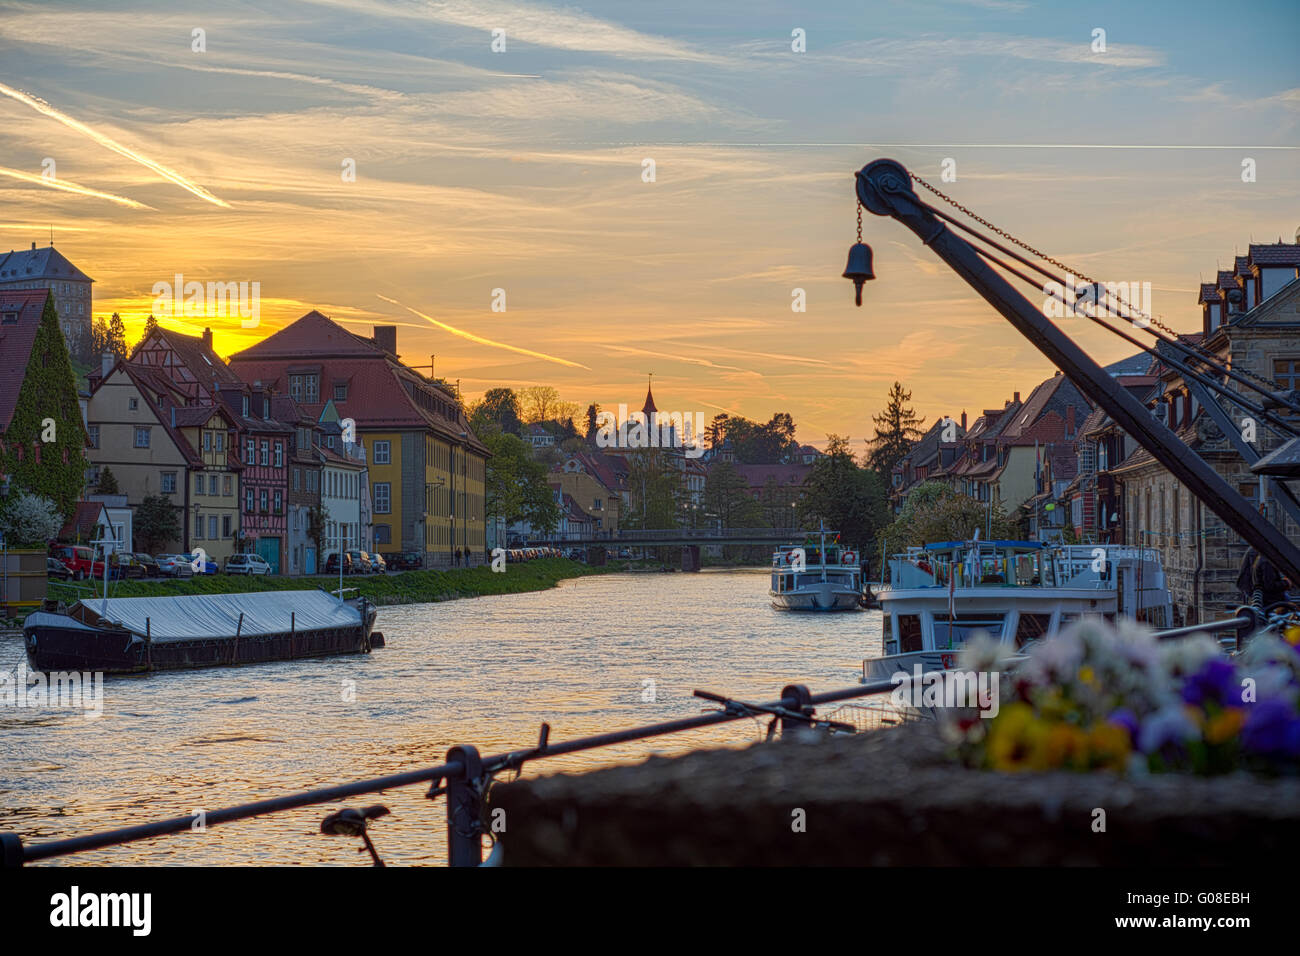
(47, 416)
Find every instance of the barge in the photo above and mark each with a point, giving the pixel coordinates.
(140, 635)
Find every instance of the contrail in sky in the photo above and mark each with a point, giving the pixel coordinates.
(71, 187)
(43, 107)
(482, 341)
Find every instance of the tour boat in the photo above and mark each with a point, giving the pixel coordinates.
(132, 635)
(818, 575)
(940, 595)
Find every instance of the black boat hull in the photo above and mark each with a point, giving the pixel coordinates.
(53, 648)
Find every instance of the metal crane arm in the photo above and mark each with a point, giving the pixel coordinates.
(885, 188)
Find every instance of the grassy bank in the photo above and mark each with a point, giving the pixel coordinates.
(407, 587)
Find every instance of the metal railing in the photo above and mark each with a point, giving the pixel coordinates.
(464, 777)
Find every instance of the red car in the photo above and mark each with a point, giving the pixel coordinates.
(80, 561)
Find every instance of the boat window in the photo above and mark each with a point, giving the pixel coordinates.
(1031, 627)
(964, 627)
(909, 633)
(887, 627)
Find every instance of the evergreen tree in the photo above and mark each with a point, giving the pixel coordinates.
(117, 337)
(107, 484)
(897, 429)
(593, 412)
(157, 521)
(845, 497)
(44, 446)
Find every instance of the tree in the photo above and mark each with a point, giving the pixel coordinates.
(30, 521)
(593, 412)
(317, 520)
(117, 337)
(150, 327)
(44, 446)
(717, 430)
(517, 489)
(657, 490)
(157, 521)
(778, 502)
(844, 496)
(498, 409)
(539, 403)
(107, 484)
(897, 429)
(99, 338)
(727, 499)
(935, 511)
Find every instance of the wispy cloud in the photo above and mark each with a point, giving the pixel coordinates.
(108, 142)
(71, 187)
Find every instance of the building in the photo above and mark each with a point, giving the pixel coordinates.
(157, 446)
(934, 451)
(1251, 324)
(72, 290)
(598, 484)
(427, 469)
(342, 490)
(263, 448)
(303, 495)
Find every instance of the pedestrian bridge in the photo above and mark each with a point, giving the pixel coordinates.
(678, 537)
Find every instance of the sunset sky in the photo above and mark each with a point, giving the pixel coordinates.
(522, 170)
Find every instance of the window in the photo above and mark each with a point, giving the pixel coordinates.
(245, 406)
(279, 503)
(142, 438)
(94, 436)
(207, 441)
(198, 527)
(1286, 372)
(266, 452)
(383, 534)
(133, 404)
(221, 441)
(295, 387)
(329, 440)
(227, 486)
(212, 485)
(264, 499)
(198, 484)
(248, 501)
(225, 526)
(909, 633)
(212, 526)
(297, 479)
(250, 453)
(383, 498)
(341, 391)
(168, 483)
(279, 454)
(383, 453)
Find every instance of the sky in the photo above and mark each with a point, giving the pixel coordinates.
(524, 169)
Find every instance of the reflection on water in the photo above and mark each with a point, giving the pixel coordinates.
(485, 671)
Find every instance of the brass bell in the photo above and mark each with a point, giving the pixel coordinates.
(859, 267)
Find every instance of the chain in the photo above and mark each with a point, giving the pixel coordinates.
(859, 220)
(1150, 319)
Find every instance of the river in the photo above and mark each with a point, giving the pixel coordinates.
(485, 671)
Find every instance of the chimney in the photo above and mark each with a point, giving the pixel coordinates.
(386, 338)
(1016, 398)
(207, 339)
(33, 246)
(106, 362)
(963, 419)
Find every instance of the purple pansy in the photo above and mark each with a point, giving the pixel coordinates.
(1214, 682)
(1272, 728)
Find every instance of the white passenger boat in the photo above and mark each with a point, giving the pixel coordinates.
(818, 575)
(940, 595)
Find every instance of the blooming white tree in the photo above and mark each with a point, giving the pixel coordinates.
(30, 521)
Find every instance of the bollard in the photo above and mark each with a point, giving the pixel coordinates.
(804, 706)
(464, 807)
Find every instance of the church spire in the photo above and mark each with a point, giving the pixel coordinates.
(649, 408)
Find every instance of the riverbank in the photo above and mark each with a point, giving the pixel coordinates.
(405, 587)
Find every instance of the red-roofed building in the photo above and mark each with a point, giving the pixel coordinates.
(426, 466)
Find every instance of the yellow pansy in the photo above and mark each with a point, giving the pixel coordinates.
(1224, 725)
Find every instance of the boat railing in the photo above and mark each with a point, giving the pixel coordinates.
(465, 777)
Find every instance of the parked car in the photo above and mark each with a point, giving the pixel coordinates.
(405, 560)
(208, 567)
(361, 563)
(175, 565)
(247, 564)
(147, 562)
(80, 560)
(125, 565)
(332, 563)
(54, 568)
(378, 562)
